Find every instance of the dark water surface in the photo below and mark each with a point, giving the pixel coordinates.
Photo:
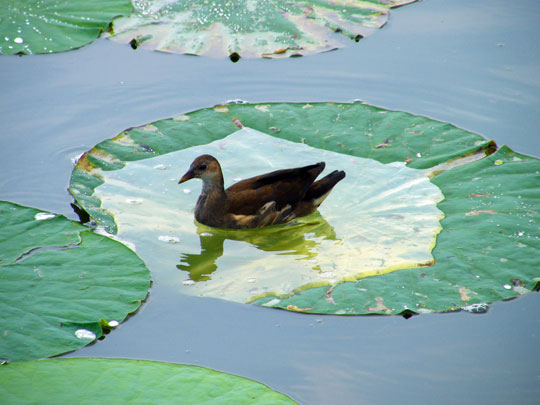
(474, 64)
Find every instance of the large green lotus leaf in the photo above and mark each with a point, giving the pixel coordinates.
(91, 380)
(46, 26)
(250, 28)
(60, 283)
(332, 247)
(368, 227)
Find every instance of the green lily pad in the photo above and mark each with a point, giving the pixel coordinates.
(47, 26)
(85, 380)
(251, 28)
(62, 284)
(363, 227)
(486, 251)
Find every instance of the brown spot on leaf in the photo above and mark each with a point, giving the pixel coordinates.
(479, 195)
(276, 52)
(84, 164)
(297, 309)
(237, 122)
(464, 293)
(221, 109)
(329, 297)
(385, 144)
(478, 212)
(380, 306)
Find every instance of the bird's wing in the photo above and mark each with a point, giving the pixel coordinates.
(284, 187)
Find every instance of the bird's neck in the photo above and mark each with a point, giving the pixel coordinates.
(213, 185)
(212, 202)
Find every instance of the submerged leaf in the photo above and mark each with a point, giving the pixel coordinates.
(250, 28)
(60, 284)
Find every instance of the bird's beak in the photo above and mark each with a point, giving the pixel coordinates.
(189, 175)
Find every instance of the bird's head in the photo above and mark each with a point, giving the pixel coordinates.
(205, 167)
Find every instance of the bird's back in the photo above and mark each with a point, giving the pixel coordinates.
(284, 187)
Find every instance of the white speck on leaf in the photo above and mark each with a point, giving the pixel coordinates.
(85, 334)
(169, 239)
(181, 118)
(272, 302)
(263, 108)
(134, 201)
(40, 216)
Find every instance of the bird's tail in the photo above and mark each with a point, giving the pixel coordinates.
(321, 188)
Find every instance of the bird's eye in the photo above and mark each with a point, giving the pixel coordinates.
(202, 167)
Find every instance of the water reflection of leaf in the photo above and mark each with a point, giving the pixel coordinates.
(299, 238)
(201, 265)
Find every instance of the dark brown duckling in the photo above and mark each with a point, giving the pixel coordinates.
(264, 200)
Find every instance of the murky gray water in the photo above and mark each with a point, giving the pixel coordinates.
(474, 64)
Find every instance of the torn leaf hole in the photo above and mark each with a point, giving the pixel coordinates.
(32, 252)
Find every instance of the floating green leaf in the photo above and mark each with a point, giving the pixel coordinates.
(46, 26)
(85, 380)
(60, 283)
(487, 249)
(364, 228)
(250, 28)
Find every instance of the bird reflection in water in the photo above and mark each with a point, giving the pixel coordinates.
(299, 238)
